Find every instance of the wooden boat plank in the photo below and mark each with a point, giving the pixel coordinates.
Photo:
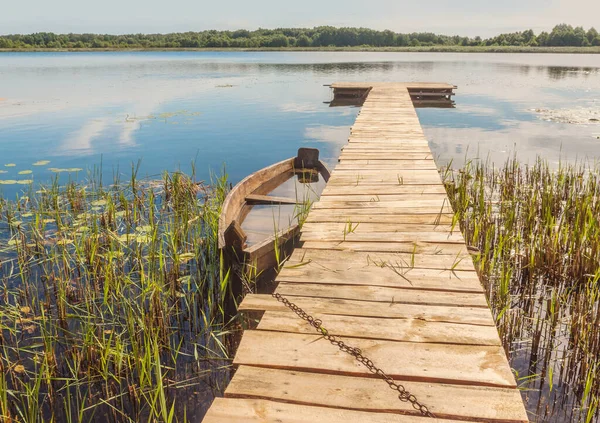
(365, 394)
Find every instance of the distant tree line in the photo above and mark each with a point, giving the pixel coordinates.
(323, 36)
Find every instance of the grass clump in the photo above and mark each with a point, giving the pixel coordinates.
(112, 305)
(537, 230)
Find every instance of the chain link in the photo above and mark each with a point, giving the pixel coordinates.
(403, 394)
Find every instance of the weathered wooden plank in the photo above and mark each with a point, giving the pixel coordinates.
(343, 216)
(394, 274)
(404, 330)
(390, 247)
(343, 260)
(379, 197)
(398, 310)
(237, 410)
(269, 199)
(382, 294)
(378, 227)
(454, 364)
(358, 235)
(435, 204)
(384, 190)
(365, 394)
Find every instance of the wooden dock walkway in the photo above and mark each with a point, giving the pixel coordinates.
(381, 266)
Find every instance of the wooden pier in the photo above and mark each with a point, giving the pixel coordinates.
(380, 264)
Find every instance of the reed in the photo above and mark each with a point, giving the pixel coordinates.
(537, 233)
(112, 300)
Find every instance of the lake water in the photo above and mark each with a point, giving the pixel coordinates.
(244, 111)
(248, 110)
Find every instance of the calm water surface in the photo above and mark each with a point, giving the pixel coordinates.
(248, 110)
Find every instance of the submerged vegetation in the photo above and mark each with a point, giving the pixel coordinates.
(113, 301)
(324, 36)
(537, 230)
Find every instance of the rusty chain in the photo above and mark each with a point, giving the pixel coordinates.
(403, 394)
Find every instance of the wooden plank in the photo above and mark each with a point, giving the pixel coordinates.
(384, 190)
(344, 215)
(396, 237)
(381, 155)
(453, 249)
(237, 410)
(389, 228)
(382, 294)
(269, 199)
(348, 202)
(341, 307)
(365, 394)
(455, 364)
(393, 275)
(379, 197)
(343, 260)
(403, 330)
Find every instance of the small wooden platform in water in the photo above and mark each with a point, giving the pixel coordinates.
(381, 266)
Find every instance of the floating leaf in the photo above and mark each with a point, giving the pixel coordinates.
(19, 368)
(25, 310)
(58, 170)
(99, 203)
(64, 242)
(10, 165)
(13, 242)
(27, 214)
(16, 222)
(3, 171)
(48, 220)
(143, 239)
(185, 257)
(8, 182)
(25, 172)
(25, 181)
(41, 163)
(120, 213)
(145, 228)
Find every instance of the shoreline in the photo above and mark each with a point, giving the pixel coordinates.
(429, 49)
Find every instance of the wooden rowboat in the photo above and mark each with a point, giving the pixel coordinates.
(253, 191)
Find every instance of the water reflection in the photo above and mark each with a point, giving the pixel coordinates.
(253, 109)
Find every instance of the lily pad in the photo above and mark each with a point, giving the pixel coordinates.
(10, 165)
(25, 181)
(99, 203)
(69, 170)
(41, 163)
(8, 182)
(25, 172)
(145, 228)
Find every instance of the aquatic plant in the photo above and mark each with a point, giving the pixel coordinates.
(112, 306)
(537, 232)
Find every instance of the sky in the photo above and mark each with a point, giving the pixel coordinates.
(450, 17)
